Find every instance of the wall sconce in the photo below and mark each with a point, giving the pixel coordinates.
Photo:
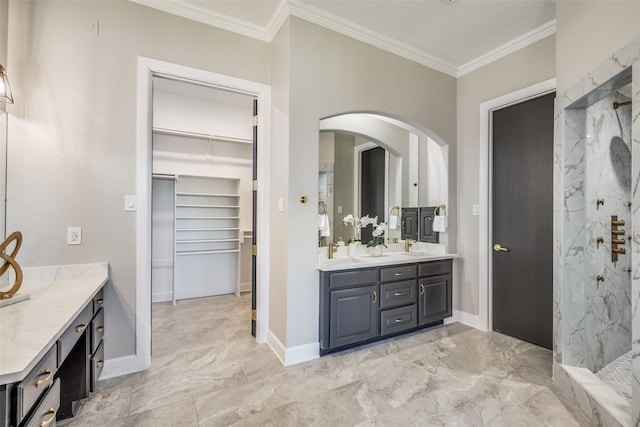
(5, 90)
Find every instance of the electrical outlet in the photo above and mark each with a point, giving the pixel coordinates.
(74, 236)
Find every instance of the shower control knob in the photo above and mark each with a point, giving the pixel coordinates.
(600, 278)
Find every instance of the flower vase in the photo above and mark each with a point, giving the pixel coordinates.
(352, 249)
(376, 250)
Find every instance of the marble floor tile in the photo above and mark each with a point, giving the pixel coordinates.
(207, 370)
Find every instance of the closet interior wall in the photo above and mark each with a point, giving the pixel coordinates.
(202, 200)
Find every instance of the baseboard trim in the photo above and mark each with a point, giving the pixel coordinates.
(161, 297)
(245, 287)
(122, 366)
(293, 355)
(465, 318)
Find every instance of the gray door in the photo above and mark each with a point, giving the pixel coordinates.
(523, 220)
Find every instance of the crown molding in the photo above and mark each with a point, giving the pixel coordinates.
(365, 35)
(207, 16)
(333, 22)
(514, 45)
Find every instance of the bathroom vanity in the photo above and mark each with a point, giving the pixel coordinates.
(52, 350)
(363, 299)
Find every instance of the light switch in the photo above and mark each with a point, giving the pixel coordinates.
(476, 209)
(280, 204)
(339, 209)
(130, 203)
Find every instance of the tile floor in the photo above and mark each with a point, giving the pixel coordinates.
(208, 371)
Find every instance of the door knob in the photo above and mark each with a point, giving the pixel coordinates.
(499, 248)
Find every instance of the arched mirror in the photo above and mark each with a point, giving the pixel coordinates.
(374, 165)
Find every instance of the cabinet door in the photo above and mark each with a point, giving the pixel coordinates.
(434, 296)
(354, 315)
(409, 224)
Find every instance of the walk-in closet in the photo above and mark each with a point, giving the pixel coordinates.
(202, 194)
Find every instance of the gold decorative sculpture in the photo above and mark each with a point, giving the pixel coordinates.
(9, 261)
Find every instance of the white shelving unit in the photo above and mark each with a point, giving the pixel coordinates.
(207, 236)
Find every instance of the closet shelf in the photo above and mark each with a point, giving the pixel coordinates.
(207, 194)
(199, 135)
(207, 217)
(207, 206)
(207, 240)
(208, 229)
(226, 251)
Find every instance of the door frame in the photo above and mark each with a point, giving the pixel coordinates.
(485, 265)
(147, 67)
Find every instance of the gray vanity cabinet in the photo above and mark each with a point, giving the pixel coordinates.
(368, 304)
(434, 291)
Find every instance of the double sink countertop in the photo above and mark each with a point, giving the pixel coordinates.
(394, 254)
(29, 328)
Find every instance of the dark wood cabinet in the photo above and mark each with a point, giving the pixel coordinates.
(368, 304)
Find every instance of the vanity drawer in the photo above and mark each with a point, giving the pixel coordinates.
(398, 319)
(400, 272)
(74, 332)
(98, 301)
(398, 293)
(352, 278)
(435, 268)
(45, 413)
(97, 364)
(97, 330)
(38, 380)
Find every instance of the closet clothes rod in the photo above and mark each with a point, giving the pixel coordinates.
(198, 135)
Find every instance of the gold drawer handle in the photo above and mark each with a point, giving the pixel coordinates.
(375, 297)
(399, 320)
(48, 373)
(81, 327)
(100, 329)
(99, 364)
(399, 274)
(399, 294)
(99, 301)
(421, 288)
(51, 411)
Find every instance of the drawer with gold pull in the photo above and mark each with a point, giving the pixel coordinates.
(74, 332)
(400, 272)
(98, 301)
(44, 415)
(39, 379)
(97, 330)
(97, 364)
(398, 319)
(395, 294)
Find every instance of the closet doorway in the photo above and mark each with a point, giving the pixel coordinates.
(202, 210)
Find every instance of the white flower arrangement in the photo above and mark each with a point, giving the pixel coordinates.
(365, 221)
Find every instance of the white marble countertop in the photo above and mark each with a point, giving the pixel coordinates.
(29, 328)
(390, 258)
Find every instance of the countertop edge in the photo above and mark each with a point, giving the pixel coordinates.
(392, 261)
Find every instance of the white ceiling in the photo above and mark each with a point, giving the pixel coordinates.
(453, 38)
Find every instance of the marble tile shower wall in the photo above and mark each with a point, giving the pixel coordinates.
(570, 236)
(607, 318)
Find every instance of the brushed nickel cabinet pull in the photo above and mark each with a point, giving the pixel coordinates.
(375, 297)
(421, 288)
(399, 274)
(99, 301)
(81, 327)
(48, 373)
(399, 320)
(100, 329)
(399, 294)
(51, 411)
(99, 364)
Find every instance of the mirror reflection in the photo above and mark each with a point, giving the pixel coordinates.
(3, 172)
(374, 165)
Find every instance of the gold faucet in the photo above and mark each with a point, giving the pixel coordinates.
(332, 249)
(407, 244)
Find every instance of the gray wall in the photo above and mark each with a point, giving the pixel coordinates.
(528, 66)
(331, 74)
(72, 131)
(588, 32)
